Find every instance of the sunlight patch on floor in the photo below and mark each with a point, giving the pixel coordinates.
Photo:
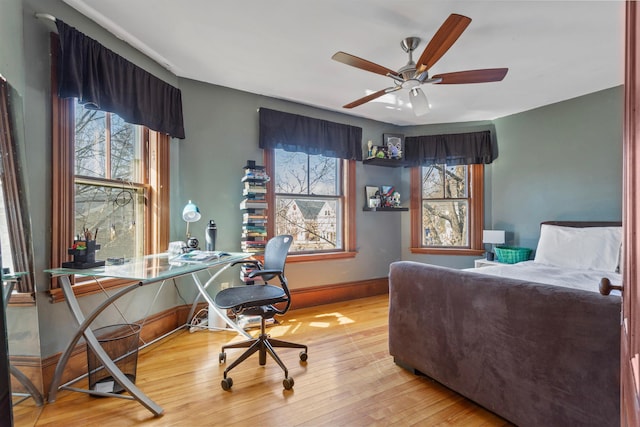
(341, 319)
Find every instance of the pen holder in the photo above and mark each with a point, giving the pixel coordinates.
(84, 255)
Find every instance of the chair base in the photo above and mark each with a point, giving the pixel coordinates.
(262, 344)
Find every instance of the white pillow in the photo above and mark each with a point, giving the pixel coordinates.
(590, 248)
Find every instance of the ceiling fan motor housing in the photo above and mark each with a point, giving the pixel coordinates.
(410, 44)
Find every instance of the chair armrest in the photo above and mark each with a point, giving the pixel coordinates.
(255, 263)
(255, 273)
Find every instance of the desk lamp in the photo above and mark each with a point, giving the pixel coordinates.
(191, 213)
(493, 237)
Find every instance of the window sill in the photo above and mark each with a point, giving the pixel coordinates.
(22, 299)
(320, 257)
(443, 251)
(89, 288)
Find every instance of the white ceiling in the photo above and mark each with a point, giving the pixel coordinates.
(555, 50)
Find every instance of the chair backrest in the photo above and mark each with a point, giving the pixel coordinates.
(275, 253)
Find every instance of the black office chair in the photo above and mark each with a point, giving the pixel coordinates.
(260, 299)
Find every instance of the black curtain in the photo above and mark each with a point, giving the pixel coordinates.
(451, 149)
(103, 80)
(292, 132)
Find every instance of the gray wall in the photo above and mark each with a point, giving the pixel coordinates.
(221, 128)
(559, 162)
(222, 134)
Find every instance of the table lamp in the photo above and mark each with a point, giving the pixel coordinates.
(492, 237)
(191, 213)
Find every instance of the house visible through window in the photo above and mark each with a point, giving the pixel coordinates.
(309, 201)
(447, 208)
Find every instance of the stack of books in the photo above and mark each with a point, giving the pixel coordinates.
(254, 208)
(245, 270)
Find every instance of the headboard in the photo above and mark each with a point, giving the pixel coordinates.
(581, 224)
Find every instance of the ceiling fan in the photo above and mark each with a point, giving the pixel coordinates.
(413, 74)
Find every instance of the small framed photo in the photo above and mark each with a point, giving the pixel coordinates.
(371, 192)
(394, 145)
(371, 196)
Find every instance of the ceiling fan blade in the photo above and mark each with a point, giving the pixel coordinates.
(444, 38)
(472, 76)
(354, 61)
(371, 97)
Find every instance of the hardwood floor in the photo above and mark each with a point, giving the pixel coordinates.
(349, 380)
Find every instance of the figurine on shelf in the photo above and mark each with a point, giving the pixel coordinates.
(370, 149)
(374, 151)
(396, 199)
(394, 151)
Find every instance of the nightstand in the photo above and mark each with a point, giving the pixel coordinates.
(483, 262)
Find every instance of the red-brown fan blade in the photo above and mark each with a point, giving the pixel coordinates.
(444, 38)
(472, 76)
(354, 61)
(371, 97)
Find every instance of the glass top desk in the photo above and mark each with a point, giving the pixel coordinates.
(142, 271)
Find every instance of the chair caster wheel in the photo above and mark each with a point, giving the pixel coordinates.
(222, 357)
(287, 383)
(227, 383)
(303, 356)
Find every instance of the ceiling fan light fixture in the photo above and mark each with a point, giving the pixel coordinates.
(411, 84)
(419, 102)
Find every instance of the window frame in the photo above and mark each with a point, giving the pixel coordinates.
(476, 214)
(349, 211)
(156, 183)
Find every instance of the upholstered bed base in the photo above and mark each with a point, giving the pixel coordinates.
(537, 355)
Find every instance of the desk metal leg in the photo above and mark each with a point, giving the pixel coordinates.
(93, 343)
(201, 288)
(203, 293)
(26, 382)
(7, 289)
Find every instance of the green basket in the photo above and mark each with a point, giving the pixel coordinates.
(512, 255)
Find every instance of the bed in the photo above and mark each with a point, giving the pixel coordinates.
(537, 354)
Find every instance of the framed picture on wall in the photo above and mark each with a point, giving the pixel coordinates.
(394, 145)
(371, 196)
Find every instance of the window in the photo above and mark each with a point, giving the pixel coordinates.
(310, 196)
(447, 209)
(109, 182)
(114, 177)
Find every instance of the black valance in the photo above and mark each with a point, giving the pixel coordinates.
(291, 132)
(451, 149)
(103, 80)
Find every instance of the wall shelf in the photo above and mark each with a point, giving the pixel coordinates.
(385, 209)
(390, 163)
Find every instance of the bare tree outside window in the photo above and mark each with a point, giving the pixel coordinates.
(109, 183)
(445, 206)
(309, 201)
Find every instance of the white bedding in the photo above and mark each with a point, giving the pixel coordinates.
(588, 280)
